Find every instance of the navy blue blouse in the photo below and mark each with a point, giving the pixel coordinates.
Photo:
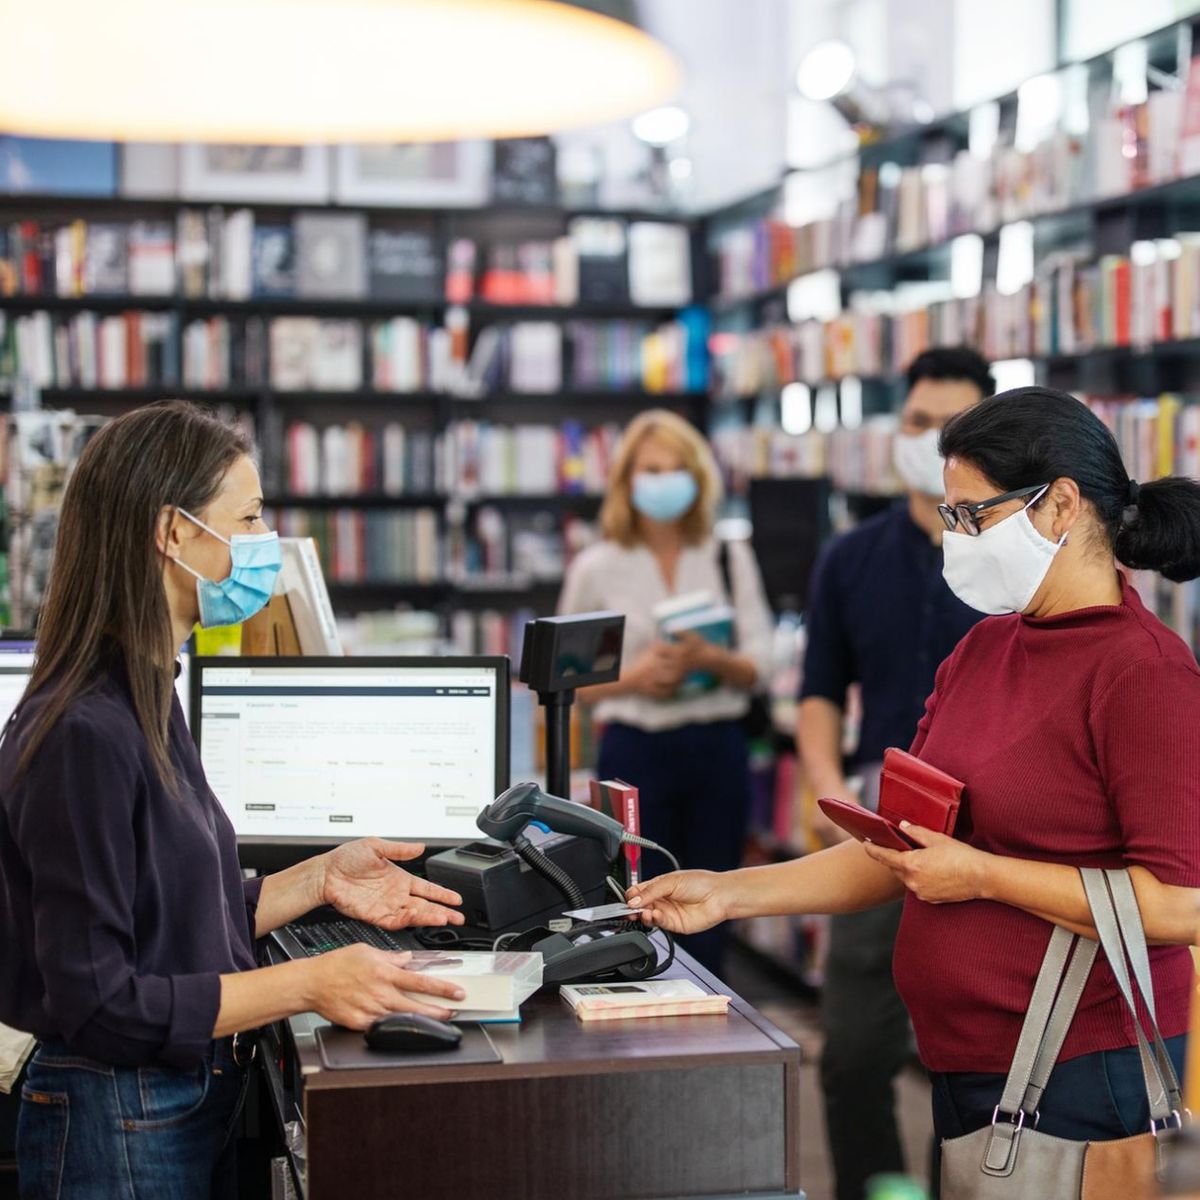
(881, 615)
(120, 903)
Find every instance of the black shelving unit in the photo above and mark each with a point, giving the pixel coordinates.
(273, 408)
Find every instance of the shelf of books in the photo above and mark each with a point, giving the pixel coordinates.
(1058, 227)
(394, 366)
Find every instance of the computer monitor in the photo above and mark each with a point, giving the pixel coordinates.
(16, 664)
(304, 753)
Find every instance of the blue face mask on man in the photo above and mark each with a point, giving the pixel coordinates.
(256, 560)
(664, 496)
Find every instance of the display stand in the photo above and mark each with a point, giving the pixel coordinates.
(271, 631)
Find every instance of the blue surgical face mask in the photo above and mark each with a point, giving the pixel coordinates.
(245, 591)
(665, 496)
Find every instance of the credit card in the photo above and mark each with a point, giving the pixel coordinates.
(603, 912)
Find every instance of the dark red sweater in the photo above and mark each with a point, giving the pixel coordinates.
(1078, 738)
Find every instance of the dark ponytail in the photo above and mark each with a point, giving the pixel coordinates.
(1033, 435)
(1162, 532)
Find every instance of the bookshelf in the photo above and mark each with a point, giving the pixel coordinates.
(815, 318)
(218, 332)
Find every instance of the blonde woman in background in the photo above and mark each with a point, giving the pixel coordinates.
(685, 753)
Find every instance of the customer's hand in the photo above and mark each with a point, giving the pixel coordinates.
(682, 902)
(656, 672)
(943, 871)
(359, 984)
(361, 880)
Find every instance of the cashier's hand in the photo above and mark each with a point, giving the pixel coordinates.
(943, 871)
(359, 984)
(360, 879)
(682, 902)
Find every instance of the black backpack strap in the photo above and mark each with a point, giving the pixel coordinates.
(727, 577)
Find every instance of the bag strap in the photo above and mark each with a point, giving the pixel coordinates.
(727, 577)
(1162, 1088)
(1059, 1024)
(1054, 971)
(1133, 934)
(1050, 1010)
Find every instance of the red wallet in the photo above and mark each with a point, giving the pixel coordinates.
(865, 825)
(912, 790)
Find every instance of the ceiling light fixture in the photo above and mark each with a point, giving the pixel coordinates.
(661, 126)
(289, 71)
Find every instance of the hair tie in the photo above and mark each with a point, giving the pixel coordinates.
(1132, 496)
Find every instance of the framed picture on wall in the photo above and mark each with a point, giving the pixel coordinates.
(290, 174)
(57, 167)
(414, 174)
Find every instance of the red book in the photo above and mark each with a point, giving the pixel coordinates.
(30, 265)
(619, 800)
(1121, 301)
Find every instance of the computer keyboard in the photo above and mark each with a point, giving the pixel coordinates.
(320, 936)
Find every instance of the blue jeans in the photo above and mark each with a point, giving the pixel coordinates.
(1095, 1097)
(91, 1131)
(693, 797)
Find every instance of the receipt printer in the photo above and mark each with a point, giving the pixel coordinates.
(501, 893)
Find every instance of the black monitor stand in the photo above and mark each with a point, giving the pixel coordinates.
(558, 741)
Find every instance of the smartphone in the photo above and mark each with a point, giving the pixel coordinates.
(865, 825)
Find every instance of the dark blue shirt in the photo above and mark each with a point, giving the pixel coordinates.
(120, 903)
(882, 616)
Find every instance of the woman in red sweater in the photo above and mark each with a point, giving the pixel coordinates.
(1074, 721)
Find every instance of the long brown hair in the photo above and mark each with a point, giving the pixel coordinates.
(618, 521)
(106, 582)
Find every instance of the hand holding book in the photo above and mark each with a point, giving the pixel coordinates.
(691, 652)
(655, 672)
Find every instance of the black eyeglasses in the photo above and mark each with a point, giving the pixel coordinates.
(966, 514)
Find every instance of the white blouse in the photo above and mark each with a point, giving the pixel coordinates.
(624, 579)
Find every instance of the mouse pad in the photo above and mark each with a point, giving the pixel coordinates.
(345, 1050)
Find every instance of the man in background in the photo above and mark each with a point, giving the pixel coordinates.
(882, 617)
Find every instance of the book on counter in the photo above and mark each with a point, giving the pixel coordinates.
(496, 985)
(617, 799)
(645, 998)
(699, 613)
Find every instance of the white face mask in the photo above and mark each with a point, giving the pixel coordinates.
(1001, 569)
(918, 462)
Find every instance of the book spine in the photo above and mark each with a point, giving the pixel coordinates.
(311, 565)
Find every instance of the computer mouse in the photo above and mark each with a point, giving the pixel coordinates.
(412, 1032)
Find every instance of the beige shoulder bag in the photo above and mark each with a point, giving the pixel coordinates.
(1009, 1159)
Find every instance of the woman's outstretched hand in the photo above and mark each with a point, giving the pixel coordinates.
(682, 902)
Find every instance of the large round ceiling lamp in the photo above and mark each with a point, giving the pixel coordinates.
(287, 71)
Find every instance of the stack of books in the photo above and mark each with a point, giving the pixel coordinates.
(647, 998)
(496, 985)
(697, 613)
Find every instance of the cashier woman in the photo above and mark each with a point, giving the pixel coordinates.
(128, 931)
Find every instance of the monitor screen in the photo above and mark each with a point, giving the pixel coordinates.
(321, 750)
(16, 663)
